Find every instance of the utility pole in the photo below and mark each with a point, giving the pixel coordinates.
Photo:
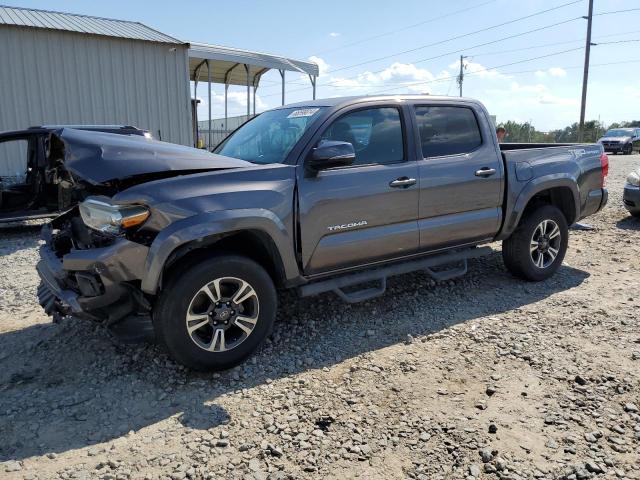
(585, 77)
(461, 76)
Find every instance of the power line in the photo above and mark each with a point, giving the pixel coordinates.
(408, 27)
(509, 37)
(455, 77)
(619, 41)
(457, 37)
(517, 72)
(488, 69)
(465, 35)
(482, 54)
(617, 11)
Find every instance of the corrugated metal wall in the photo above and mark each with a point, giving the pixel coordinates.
(52, 77)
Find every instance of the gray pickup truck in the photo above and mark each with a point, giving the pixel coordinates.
(330, 195)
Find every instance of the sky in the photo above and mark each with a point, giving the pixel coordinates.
(414, 46)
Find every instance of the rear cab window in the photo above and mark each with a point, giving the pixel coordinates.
(447, 130)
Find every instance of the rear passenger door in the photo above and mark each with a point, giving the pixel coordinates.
(461, 176)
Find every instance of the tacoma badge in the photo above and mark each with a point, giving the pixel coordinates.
(344, 226)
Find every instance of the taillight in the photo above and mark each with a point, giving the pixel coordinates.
(604, 163)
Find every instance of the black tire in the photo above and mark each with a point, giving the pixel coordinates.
(516, 250)
(628, 150)
(182, 290)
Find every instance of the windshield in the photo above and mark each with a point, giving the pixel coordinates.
(619, 132)
(269, 137)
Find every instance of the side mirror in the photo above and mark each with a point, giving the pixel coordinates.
(331, 154)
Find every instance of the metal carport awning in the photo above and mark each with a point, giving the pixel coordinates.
(232, 66)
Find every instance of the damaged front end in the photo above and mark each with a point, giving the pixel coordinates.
(93, 259)
(88, 273)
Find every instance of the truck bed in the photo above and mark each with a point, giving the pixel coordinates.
(555, 165)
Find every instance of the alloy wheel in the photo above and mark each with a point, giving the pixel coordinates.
(222, 314)
(545, 243)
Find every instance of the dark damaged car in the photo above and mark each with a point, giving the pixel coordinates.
(332, 195)
(33, 182)
(621, 140)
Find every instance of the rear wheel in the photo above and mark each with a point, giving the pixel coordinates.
(217, 313)
(537, 247)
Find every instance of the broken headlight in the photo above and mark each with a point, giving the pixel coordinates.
(103, 216)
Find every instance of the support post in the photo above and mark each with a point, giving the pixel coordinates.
(196, 76)
(313, 79)
(209, 93)
(585, 77)
(226, 117)
(195, 107)
(254, 100)
(282, 75)
(246, 67)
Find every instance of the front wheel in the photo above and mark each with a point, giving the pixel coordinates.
(217, 313)
(628, 150)
(537, 247)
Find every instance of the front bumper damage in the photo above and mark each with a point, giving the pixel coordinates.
(101, 283)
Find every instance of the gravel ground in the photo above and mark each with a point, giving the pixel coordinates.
(482, 377)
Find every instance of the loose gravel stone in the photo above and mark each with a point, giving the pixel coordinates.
(483, 376)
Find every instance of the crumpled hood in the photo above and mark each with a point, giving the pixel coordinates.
(99, 157)
(614, 139)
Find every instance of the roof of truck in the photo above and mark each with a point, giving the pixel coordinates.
(337, 101)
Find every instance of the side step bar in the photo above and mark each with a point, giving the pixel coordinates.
(380, 275)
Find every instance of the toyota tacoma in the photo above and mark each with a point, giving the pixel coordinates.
(324, 196)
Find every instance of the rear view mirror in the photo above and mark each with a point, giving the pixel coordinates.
(331, 154)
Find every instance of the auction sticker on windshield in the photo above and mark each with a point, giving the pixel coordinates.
(303, 112)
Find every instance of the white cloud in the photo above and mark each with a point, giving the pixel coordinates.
(553, 71)
(398, 74)
(632, 91)
(538, 88)
(334, 34)
(237, 104)
(477, 69)
(323, 66)
(520, 95)
(239, 99)
(549, 99)
(557, 72)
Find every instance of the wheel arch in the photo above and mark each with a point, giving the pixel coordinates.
(253, 244)
(560, 192)
(256, 233)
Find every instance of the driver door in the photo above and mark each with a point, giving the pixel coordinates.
(365, 212)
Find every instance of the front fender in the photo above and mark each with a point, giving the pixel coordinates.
(534, 187)
(204, 226)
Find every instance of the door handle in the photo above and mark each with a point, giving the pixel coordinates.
(485, 172)
(402, 182)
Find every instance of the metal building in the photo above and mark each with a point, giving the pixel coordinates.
(62, 68)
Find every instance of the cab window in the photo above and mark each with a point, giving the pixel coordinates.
(375, 133)
(447, 130)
